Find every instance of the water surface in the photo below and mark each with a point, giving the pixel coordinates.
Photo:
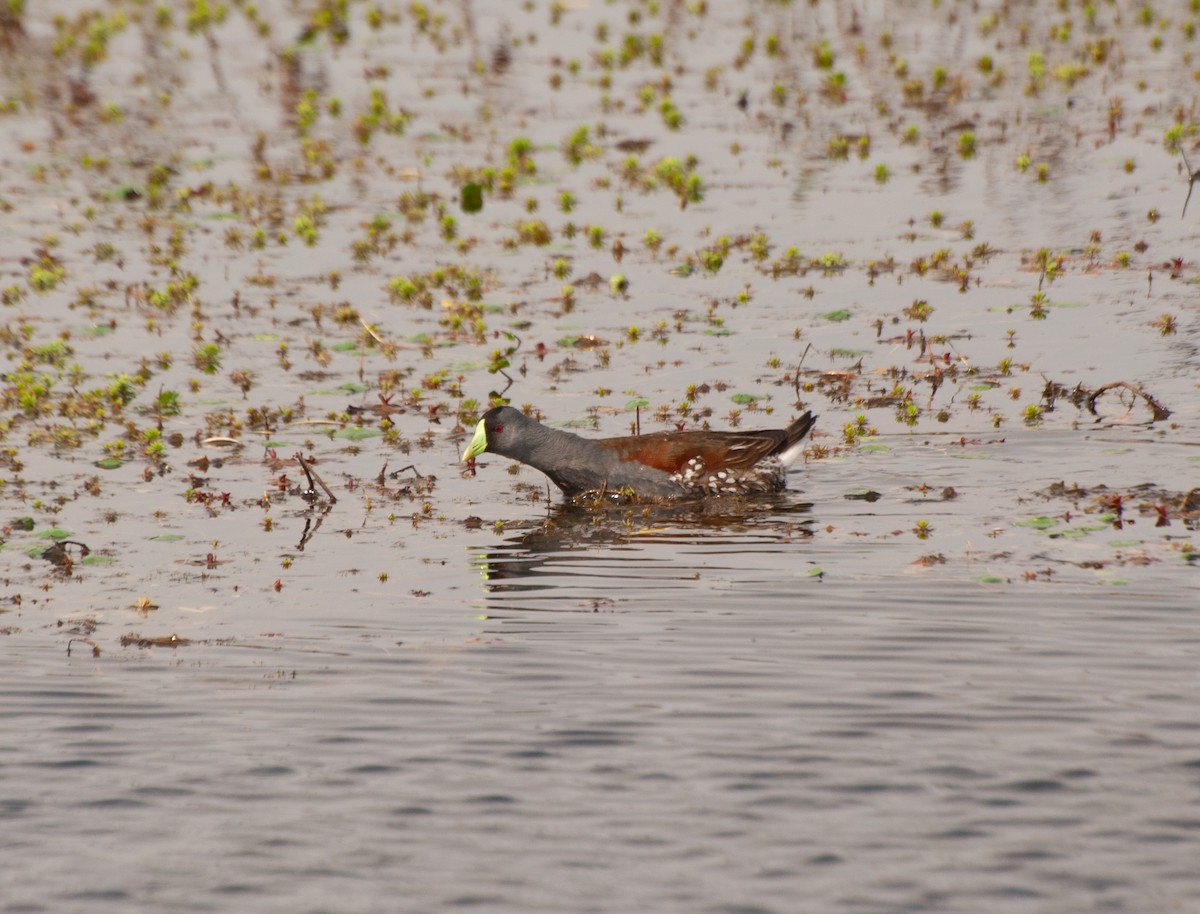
(953, 668)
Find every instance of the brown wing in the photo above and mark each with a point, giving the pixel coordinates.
(670, 451)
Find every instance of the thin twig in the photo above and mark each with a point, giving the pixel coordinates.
(313, 475)
(1160, 412)
(374, 335)
(506, 386)
(800, 365)
(1193, 176)
(803, 356)
(88, 641)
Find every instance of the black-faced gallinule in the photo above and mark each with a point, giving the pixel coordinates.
(662, 465)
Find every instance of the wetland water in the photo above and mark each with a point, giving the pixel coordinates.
(954, 668)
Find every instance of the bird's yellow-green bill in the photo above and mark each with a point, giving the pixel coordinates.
(478, 443)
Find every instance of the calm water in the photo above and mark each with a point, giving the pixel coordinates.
(954, 669)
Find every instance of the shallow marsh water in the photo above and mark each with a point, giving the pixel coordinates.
(953, 668)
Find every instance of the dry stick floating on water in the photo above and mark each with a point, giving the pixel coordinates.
(1160, 411)
(395, 474)
(1083, 398)
(89, 642)
(57, 553)
(312, 475)
(136, 640)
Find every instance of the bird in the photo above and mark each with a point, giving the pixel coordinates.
(654, 467)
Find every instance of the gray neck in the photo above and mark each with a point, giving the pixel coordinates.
(575, 464)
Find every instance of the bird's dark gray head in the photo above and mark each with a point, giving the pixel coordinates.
(505, 431)
(573, 463)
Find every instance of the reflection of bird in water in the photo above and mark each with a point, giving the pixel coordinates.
(576, 556)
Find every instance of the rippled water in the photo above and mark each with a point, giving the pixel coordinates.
(666, 714)
(956, 668)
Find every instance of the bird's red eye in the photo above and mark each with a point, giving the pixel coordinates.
(498, 429)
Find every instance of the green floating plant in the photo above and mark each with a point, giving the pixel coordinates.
(1041, 522)
(841, 314)
(356, 433)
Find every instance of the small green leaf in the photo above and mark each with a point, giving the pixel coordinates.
(1038, 523)
(55, 533)
(743, 399)
(989, 579)
(95, 559)
(109, 463)
(637, 403)
(471, 198)
(123, 192)
(354, 433)
(167, 538)
(863, 495)
(841, 314)
(351, 387)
